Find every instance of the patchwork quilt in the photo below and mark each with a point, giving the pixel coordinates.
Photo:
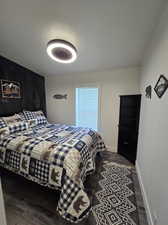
(57, 156)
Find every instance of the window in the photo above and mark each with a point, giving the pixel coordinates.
(87, 107)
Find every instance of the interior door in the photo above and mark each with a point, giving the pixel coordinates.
(128, 126)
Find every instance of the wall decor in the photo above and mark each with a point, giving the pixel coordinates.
(148, 91)
(10, 89)
(161, 86)
(59, 96)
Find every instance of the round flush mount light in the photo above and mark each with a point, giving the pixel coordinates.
(61, 51)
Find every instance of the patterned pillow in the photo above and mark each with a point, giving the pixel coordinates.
(31, 122)
(11, 124)
(21, 114)
(12, 119)
(4, 131)
(36, 117)
(2, 123)
(17, 127)
(3, 128)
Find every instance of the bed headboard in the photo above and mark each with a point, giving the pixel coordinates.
(32, 89)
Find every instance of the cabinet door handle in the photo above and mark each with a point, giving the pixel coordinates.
(125, 143)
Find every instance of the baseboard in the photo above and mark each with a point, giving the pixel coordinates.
(144, 195)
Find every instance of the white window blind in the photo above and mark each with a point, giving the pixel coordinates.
(87, 107)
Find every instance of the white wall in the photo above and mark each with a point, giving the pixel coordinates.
(112, 84)
(152, 158)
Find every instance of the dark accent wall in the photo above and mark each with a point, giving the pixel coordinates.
(32, 89)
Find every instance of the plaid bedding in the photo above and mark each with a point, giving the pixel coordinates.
(57, 156)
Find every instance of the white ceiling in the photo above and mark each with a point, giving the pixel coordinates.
(107, 33)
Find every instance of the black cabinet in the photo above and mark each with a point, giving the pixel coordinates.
(128, 126)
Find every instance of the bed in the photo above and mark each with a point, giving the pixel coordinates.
(53, 155)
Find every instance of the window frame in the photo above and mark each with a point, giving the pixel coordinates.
(99, 102)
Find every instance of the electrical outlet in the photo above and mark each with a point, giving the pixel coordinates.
(155, 218)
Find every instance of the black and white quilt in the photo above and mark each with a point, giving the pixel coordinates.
(57, 156)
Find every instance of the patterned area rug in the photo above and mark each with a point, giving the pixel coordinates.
(116, 198)
(113, 188)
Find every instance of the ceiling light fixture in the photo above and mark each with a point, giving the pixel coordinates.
(61, 51)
